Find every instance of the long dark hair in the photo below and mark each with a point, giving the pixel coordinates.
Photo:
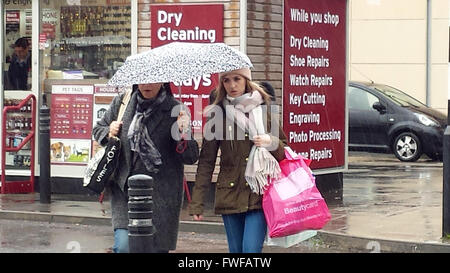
(168, 89)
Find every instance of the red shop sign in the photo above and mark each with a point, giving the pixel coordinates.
(314, 80)
(189, 23)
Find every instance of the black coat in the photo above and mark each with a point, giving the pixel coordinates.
(168, 185)
(18, 73)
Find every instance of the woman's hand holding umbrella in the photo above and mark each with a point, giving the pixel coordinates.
(183, 121)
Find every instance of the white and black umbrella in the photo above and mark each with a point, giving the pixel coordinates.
(179, 61)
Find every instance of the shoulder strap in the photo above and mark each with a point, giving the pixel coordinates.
(123, 105)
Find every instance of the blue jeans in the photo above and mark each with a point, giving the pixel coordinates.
(245, 231)
(121, 241)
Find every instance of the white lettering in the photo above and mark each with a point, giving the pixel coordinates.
(295, 137)
(299, 15)
(315, 18)
(321, 80)
(193, 263)
(296, 42)
(295, 99)
(299, 80)
(301, 207)
(325, 135)
(295, 61)
(315, 43)
(109, 158)
(304, 118)
(322, 154)
(313, 98)
(240, 262)
(195, 34)
(164, 17)
(331, 19)
(204, 80)
(317, 62)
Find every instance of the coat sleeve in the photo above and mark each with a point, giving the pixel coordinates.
(281, 140)
(205, 169)
(101, 129)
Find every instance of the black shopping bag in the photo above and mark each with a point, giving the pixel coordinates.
(102, 166)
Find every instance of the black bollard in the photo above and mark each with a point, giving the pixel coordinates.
(44, 153)
(140, 214)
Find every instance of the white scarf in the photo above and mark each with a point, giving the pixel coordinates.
(261, 165)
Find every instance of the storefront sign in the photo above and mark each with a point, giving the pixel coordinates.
(43, 41)
(50, 18)
(71, 112)
(314, 80)
(105, 89)
(16, 3)
(118, 2)
(13, 17)
(189, 23)
(12, 24)
(72, 89)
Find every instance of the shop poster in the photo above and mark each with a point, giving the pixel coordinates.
(71, 123)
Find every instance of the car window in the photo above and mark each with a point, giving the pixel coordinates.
(397, 96)
(359, 99)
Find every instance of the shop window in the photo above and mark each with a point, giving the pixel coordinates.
(84, 42)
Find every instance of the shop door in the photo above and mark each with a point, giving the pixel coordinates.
(18, 101)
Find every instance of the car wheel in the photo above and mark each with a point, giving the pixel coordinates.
(407, 147)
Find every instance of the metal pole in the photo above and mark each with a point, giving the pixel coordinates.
(446, 162)
(44, 153)
(140, 205)
(446, 185)
(428, 53)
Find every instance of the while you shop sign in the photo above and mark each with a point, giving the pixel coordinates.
(314, 80)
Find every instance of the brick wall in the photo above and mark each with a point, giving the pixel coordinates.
(264, 41)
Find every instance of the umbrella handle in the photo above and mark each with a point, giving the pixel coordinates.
(179, 92)
(181, 146)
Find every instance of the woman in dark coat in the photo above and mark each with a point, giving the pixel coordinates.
(149, 134)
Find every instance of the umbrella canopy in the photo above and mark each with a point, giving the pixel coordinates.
(179, 61)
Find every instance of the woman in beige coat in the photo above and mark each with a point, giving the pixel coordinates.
(239, 113)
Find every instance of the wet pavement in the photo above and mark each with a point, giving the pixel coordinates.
(18, 236)
(44, 237)
(388, 206)
(388, 199)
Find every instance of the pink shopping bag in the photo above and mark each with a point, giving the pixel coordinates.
(292, 202)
